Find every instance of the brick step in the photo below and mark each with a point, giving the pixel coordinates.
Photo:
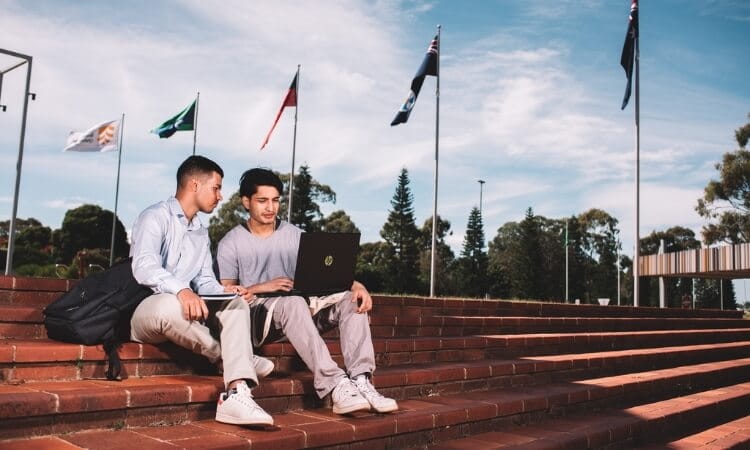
(467, 326)
(25, 322)
(632, 427)
(425, 421)
(494, 307)
(41, 291)
(35, 360)
(730, 435)
(57, 407)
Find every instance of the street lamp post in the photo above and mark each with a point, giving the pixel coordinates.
(12, 231)
(481, 188)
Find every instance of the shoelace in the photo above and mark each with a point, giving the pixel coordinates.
(367, 387)
(346, 389)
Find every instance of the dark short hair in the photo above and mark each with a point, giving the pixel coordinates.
(251, 179)
(196, 164)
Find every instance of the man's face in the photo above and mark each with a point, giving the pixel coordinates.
(208, 192)
(263, 206)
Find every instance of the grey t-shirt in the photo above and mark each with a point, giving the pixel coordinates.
(252, 259)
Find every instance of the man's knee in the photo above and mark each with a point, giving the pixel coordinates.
(291, 307)
(156, 314)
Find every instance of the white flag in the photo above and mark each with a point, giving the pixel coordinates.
(99, 138)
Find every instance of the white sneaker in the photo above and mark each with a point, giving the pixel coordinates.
(263, 366)
(378, 402)
(239, 408)
(346, 398)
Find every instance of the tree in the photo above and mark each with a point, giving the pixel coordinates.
(601, 245)
(500, 256)
(708, 293)
(231, 214)
(33, 245)
(727, 200)
(472, 265)
(526, 259)
(88, 227)
(338, 222)
(308, 193)
(443, 256)
(400, 232)
(373, 261)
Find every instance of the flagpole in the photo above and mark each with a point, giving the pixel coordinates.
(566, 262)
(117, 194)
(195, 120)
(637, 252)
(12, 228)
(294, 146)
(435, 187)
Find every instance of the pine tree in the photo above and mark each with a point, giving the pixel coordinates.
(472, 266)
(308, 192)
(527, 260)
(401, 234)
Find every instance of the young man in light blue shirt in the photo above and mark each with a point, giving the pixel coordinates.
(171, 255)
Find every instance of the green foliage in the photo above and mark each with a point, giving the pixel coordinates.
(444, 284)
(471, 267)
(372, 265)
(726, 201)
(526, 259)
(231, 214)
(401, 233)
(89, 227)
(708, 293)
(308, 193)
(338, 222)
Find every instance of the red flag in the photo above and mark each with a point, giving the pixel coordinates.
(289, 100)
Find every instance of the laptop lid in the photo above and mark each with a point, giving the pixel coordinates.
(325, 262)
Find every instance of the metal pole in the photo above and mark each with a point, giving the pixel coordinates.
(294, 145)
(618, 274)
(12, 230)
(637, 253)
(662, 288)
(117, 194)
(567, 273)
(435, 187)
(481, 188)
(195, 122)
(721, 292)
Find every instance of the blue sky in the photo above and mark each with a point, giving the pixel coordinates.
(530, 97)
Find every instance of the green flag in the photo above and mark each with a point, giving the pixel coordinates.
(184, 121)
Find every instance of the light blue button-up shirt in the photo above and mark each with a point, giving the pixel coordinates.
(169, 253)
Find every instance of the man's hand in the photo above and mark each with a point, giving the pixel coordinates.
(193, 307)
(242, 291)
(360, 294)
(277, 284)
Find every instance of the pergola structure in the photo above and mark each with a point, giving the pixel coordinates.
(721, 262)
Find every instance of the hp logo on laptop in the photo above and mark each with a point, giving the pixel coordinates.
(328, 261)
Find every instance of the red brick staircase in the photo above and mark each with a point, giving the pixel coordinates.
(468, 374)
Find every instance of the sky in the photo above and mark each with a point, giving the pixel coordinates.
(530, 95)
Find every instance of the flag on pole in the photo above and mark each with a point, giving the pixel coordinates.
(628, 50)
(103, 137)
(183, 121)
(429, 66)
(289, 100)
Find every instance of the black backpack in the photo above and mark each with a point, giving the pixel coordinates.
(98, 311)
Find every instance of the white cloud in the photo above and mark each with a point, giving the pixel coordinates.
(66, 203)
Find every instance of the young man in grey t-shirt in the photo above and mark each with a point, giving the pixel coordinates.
(261, 255)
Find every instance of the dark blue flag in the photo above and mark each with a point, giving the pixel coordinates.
(628, 50)
(429, 67)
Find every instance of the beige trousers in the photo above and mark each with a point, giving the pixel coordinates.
(159, 319)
